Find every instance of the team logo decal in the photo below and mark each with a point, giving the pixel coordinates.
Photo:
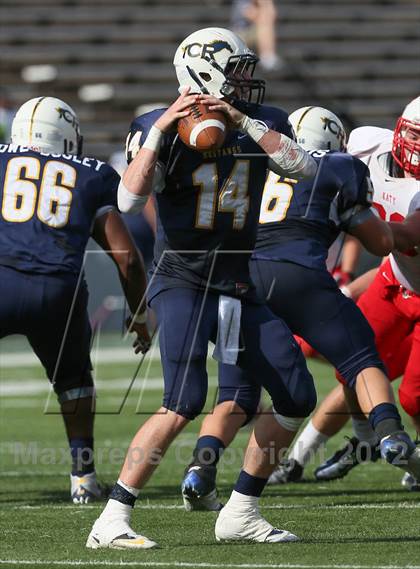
(207, 50)
(67, 116)
(334, 128)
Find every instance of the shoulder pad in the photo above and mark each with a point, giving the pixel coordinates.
(366, 139)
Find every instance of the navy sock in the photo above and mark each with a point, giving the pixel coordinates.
(385, 420)
(250, 485)
(208, 450)
(81, 451)
(122, 495)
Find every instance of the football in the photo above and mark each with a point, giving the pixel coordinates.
(202, 129)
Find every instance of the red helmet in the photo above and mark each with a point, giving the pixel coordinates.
(406, 142)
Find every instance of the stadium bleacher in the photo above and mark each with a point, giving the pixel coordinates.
(358, 57)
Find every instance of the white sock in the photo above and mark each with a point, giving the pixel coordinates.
(363, 431)
(131, 489)
(115, 509)
(306, 445)
(240, 501)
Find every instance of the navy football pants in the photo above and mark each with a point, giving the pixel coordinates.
(44, 309)
(314, 308)
(270, 357)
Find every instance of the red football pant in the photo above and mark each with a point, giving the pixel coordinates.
(394, 315)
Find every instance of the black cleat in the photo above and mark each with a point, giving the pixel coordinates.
(339, 465)
(287, 471)
(199, 490)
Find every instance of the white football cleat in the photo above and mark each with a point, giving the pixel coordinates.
(413, 464)
(247, 524)
(116, 533)
(408, 481)
(85, 489)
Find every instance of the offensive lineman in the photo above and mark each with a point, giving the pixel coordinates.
(52, 198)
(298, 223)
(391, 302)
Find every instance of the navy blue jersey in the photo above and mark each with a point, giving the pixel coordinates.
(300, 220)
(48, 205)
(209, 206)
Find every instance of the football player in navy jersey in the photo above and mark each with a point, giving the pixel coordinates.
(52, 199)
(207, 208)
(298, 222)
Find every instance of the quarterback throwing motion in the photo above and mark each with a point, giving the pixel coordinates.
(208, 207)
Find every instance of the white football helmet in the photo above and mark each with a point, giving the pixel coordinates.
(217, 62)
(318, 129)
(47, 124)
(406, 142)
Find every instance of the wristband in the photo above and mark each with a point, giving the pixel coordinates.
(153, 139)
(253, 128)
(140, 318)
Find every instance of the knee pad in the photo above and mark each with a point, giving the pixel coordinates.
(70, 389)
(189, 406)
(299, 406)
(289, 423)
(189, 413)
(76, 393)
(410, 401)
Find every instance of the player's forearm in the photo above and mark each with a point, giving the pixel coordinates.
(133, 281)
(351, 254)
(137, 181)
(112, 235)
(374, 234)
(286, 156)
(407, 233)
(138, 178)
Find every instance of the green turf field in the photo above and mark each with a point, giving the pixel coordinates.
(366, 520)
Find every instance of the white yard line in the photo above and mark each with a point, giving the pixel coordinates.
(37, 386)
(29, 386)
(194, 565)
(100, 356)
(149, 506)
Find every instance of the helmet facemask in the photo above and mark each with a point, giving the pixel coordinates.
(406, 146)
(239, 83)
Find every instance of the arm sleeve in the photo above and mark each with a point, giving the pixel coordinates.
(295, 162)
